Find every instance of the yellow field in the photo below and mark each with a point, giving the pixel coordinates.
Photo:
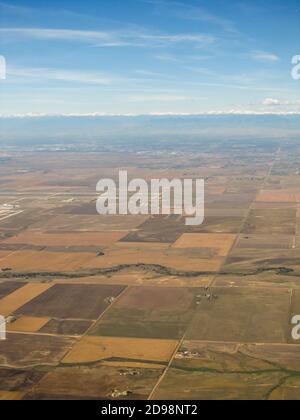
(281, 196)
(11, 395)
(93, 349)
(222, 242)
(20, 297)
(27, 324)
(31, 261)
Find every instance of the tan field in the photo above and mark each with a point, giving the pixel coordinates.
(96, 349)
(27, 324)
(222, 242)
(11, 395)
(4, 254)
(20, 297)
(278, 197)
(66, 239)
(33, 261)
(96, 383)
(88, 223)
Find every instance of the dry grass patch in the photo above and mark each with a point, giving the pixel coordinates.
(27, 324)
(32, 261)
(222, 242)
(94, 349)
(278, 196)
(11, 395)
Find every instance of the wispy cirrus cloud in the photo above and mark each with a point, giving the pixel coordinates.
(183, 10)
(192, 58)
(264, 57)
(169, 58)
(55, 34)
(11, 8)
(59, 75)
(108, 38)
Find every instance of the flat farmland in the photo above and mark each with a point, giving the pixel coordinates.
(157, 254)
(23, 219)
(257, 279)
(66, 327)
(265, 241)
(161, 229)
(18, 381)
(123, 350)
(222, 242)
(139, 277)
(279, 196)
(222, 371)
(21, 296)
(66, 239)
(260, 205)
(11, 395)
(138, 307)
(4, 254)
(8, 287)
(102, 383)
(89, 223)
(34, 261)
(247, 260)
(221, 224)
(27, 350)
(230, 201)
(84, 302)
(245, 315)
(271, 221)
(297, 238)
(289, 391)
(221, 213)
(27, 324)
(150, 312)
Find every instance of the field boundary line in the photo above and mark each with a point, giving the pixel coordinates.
(162, 377)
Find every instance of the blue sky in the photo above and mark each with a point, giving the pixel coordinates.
(149, 56)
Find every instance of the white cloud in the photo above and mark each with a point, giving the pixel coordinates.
(230, 112)
(60, 75)
(57, 34)
(107, 38)
(174, 39)
(264, 57)
(272, 102)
